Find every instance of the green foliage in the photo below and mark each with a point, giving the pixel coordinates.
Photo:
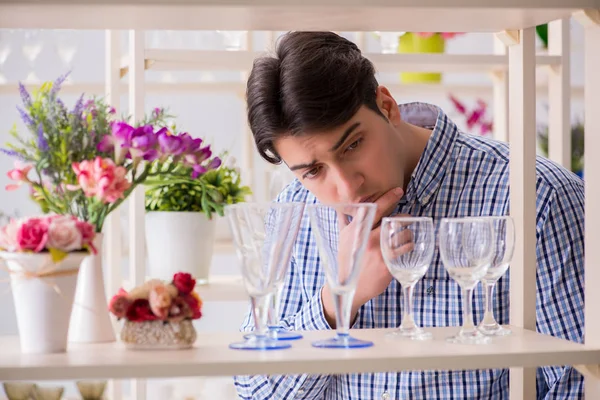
(209, 193)
(577, 145)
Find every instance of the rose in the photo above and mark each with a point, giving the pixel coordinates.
(194, 304)
(8, 236)
(119, 304)
(33, 234)
(184, 282)
(160, 301)
(64, 235)
(139, 311)
(88, 234)
(179, 310)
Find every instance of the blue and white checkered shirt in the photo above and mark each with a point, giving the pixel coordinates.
(457, 175)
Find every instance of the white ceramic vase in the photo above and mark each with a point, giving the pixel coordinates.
(179, 242)
(43, 303)
(90, 319)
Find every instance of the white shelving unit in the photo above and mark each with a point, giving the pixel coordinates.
(514, 23)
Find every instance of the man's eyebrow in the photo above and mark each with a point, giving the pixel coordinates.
(303, 166)
(345, 136)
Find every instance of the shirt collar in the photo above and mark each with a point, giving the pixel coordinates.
(430, 170)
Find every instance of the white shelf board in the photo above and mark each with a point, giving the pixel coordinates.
(212, 357)
(183, 60)
(281, 15)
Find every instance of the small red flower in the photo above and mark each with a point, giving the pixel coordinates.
(184, 282)
(139, 311)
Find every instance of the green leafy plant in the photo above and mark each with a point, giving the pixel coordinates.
(209, 193)
(577, 145)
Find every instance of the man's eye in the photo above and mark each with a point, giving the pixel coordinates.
(354, 145)
(312, 173)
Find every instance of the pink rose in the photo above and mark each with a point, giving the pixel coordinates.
(64, 235)
(119, 304)
(88, 234)
(33, 234)
(8, 236)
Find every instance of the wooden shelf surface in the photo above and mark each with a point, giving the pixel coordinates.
(211, 356)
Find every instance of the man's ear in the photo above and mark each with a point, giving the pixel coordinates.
(387, 105)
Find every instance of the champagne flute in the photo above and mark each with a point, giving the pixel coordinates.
(466, 249)
(349, 226)
(407, 245)
(504, 246)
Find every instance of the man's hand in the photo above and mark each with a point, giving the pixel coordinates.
(374, 276)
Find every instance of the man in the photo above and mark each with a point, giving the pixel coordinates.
(317, 106)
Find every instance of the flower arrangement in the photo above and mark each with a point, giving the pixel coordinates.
(210, 193)
(156, 300)
(56, 234)
(476, 117)
(86, 161)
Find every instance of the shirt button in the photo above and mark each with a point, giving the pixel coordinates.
(300, 391)
(385, 396)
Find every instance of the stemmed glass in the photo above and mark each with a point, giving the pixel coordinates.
(342, 233)
(263, 235)
(407, 245)
(504, 246)
(466, 248)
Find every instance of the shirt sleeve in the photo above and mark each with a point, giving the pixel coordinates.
(309, 316)
(560, 291)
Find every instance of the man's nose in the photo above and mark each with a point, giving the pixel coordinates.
(348, 183)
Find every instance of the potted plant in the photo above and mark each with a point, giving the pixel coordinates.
(85, 162)
(158, 314)
(423, 42)
(43, 257)
(180, 217)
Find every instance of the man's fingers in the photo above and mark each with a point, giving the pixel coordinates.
(387, 203)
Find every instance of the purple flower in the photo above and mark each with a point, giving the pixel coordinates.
(117, 141)
(198, 170)
(25, 117)
(24, 95)
(142, 143)
(58, 83)
(214, 163)
(42, 142)
(170, 144)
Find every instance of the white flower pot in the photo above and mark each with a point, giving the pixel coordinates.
(90, 319)
(43, 304)
(179, 242)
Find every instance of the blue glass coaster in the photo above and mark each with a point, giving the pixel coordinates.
(278, 333)
(260, 344)
(342, 342)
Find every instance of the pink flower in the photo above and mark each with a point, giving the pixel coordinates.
(101, 178)
(88, 234)
(160, 301)
(119, 303)
(8, 236)
(18, 174)
(64, 235)
(33, 234)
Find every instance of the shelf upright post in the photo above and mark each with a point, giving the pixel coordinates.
(112, 226)
(137, 240)
(522, 139)
(590, 19)
(500, 96)
(559, 93)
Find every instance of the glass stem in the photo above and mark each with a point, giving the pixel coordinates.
(274, 308)
(488, 317)
(408, 322)
(260, 310)
(468, 325)
(343, 308)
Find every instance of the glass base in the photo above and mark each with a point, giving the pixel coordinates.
(260, 344)
(278, 334)
(413, 334)
(342, 342)
(470, 337)
(494, 330)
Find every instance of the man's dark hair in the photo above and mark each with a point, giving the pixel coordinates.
(315, 81)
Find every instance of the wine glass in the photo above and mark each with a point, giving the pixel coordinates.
(407, 245)
(257, 230)
(466, 249)
(276, 249)
(347, 226)
(504, 230)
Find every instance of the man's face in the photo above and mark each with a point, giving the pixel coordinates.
(356, 162)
